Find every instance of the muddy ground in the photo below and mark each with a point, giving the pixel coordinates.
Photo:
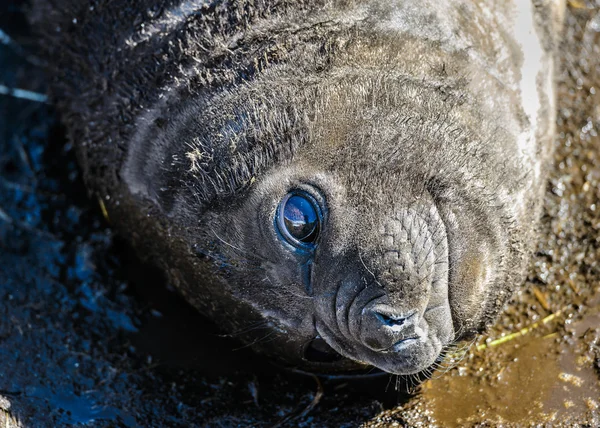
(89, 335)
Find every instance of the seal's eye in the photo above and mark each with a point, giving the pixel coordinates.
(299, 219)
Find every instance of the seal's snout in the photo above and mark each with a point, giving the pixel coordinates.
(383, 327)
(385, 302)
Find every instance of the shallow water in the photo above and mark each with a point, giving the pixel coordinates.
(89, 335)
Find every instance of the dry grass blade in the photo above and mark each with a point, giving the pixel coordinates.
(541, 297)
(103, 209)
(577, 4)
(524, 331)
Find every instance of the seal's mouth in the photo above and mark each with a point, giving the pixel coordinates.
(319, 351)
(408, 354)
(364, 325)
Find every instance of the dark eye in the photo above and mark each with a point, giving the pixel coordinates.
(299, 218)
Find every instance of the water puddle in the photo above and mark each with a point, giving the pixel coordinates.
(534, 380)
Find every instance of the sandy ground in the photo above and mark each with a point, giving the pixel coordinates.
(91, 336)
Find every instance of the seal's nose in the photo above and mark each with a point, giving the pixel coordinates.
(382, 327)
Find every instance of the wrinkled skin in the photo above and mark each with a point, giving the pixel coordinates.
(421, 133)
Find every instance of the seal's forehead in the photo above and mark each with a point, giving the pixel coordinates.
(373, 130)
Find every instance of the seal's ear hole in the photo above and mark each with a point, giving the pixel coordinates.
(318, 351)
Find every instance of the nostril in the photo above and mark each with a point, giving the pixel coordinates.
(382, 326)
(390, 320)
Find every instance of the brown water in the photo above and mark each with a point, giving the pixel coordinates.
(549, 373)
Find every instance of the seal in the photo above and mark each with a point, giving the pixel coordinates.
(338, 183)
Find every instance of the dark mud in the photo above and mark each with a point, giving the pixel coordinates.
(90, 335)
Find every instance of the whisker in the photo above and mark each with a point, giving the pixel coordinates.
(428, 373)
(368, 270)
(256, 326)
(290, 292)
(449, 360)
(249, 257)
(225, 242)
(414, 382)
(388, 383)
(260, 340)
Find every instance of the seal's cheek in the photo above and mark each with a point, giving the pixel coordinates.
(267, 241)
(474, 269)
(474, 274)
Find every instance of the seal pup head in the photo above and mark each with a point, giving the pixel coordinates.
(359, 179)
(352, 231)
